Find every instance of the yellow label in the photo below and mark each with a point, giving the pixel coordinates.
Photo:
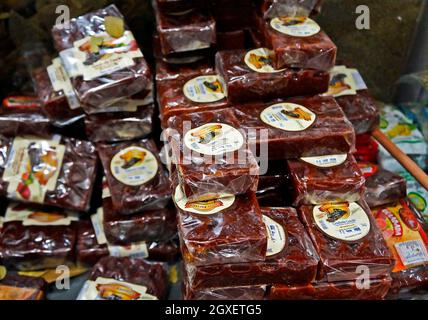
(33, 168)
(204, 89)
(288, 117)
(134, 166)
(295, 26)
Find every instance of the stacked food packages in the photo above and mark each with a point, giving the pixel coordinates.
(266, 179)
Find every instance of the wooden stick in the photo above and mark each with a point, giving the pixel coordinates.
(402, 158)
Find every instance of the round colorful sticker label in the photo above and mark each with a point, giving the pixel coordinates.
(326, 161)
(134, 166)
(206, 207)
(277, 238)
(260, 60)
(288, 117)
(295, 26)
(204, 89)
(214, 139)
(342, 221)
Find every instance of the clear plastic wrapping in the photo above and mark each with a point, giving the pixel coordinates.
(135, 176)
(249, 76)
(382, 186)
(192, 31)
(59, 172)
(32, 239)
(291, 258)
(102, 58)
(127, 272)
(350, 92)
(190, 94)
(120, 126)
(343, 290)
(405, 232)
(224, 293)
(333, 178)
(347, 240)
(297, 127)
(225, 230)
(16, 287)
(299, 42)
(175, 7)
(23, 115)
(168, 71)
(290, 8)
(89, 251)
(211, 154)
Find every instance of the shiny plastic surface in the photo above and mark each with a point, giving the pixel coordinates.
(15, 287)
(225, 293)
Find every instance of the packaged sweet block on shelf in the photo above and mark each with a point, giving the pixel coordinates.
(102, 58)
(191, 31)
(225, 293)
(382, 186)
(341, 290)
(347, 241)
(348, 88)
(55, 91)
(211, 155)
(298, 42)
(114, 278)
(297, 127)
(34, 238)
(147, 225)
(16, 287)
(332, 178)
(58, 171)
(133, 122)
(135, 176)
(23, 115)
(189, 94)
(405, 232)
(223, 230)
(249, 75)
(290, 258)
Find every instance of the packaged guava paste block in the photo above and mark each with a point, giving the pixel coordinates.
(102, 58)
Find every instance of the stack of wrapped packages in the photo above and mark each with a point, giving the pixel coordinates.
(257, 184)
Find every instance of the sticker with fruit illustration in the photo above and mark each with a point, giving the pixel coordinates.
(32, 168)
(111, 289)
(260, 60)
(102, 53)
(207, 206)
(404, 235)
(20, 212)
(134, 166)
(204, 89)
(277, 237)
(295, 26)
(342, 221)
(288, 117)
(344, 82)
(326, 161)
(214, 139)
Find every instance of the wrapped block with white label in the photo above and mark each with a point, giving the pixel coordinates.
(296, 127)
(58, 172)
(135, 176)
(382, 186)
(211, 155)
(340, 290)
(299, 42)
(189, 94)
(16, 287)
(249, 75)
(102, 58)
(36, 239)
(405, 232)
(348, 88)
(332, 178)
(223, 230)
(347, 240)
(55, 91)
(125, 278)
(192, 31)
(290, 258)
